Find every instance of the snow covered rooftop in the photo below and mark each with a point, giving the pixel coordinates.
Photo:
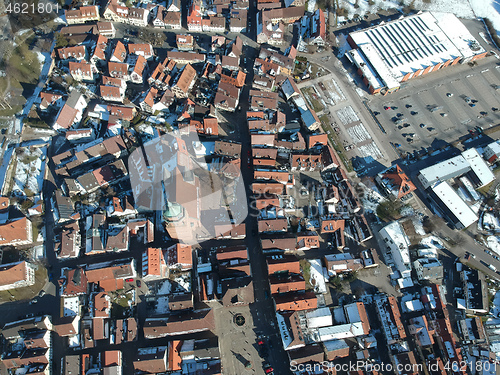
(341, 331)
(444, 170)
(495, 147)
(454, 203)
(394, 232)
(415, 42)
(332, 345)
(368, 71)
(405, 282)
(478, 166)
(321, 317)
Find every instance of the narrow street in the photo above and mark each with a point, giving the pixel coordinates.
(263, 310)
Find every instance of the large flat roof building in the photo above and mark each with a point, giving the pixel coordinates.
(398, 244)
(396, 51)
(455, 209)
(479, 167)
(443, 171)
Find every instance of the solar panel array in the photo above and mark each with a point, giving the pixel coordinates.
(401, 43)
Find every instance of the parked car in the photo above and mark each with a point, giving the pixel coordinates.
(268, 369)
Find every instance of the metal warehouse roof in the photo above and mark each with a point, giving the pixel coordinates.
(412, 43)
(454, 203)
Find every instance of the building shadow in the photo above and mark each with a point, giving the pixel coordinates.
(367, 166)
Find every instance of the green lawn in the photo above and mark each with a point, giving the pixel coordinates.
(316, 104)
(305, 266)
(335, 141)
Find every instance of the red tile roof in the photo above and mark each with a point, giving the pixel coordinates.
(120, 52)
(286, 263)
(15, 231)
(66, 117)
(296, 301)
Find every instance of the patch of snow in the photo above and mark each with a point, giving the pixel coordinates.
(493, 243)
(417, 224)
(495, 310)
(343, 46)
(74, 341)
(311, 5)
(71, 306)
(490, 222)
(21, 32)
(161, 305)
(183, 283)
(371, 198)
(40, 56)
(5, 164)
(29, 175)
(60, 19)
(433, 242)
(164, 288)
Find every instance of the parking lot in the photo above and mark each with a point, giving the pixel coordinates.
(429, 113)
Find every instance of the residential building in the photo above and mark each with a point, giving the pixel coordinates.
(184, 82)
(341, 263)
(295, 301)
(106, 29)
(112, 93)
(181, 57)
(492, 151)
(282, 264)
(141, 49)
(82, 14)
(16, 275)
(185, 323)
(395, 182)
(428, 269)
(69, 246)
(397, 244)
(172, 20)
(16, 232)
(475, 291)
(76, 52)
(390, 317)
(213, 24)
(81, 71)
(153, 361)
(71, 113)
(184, 42)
